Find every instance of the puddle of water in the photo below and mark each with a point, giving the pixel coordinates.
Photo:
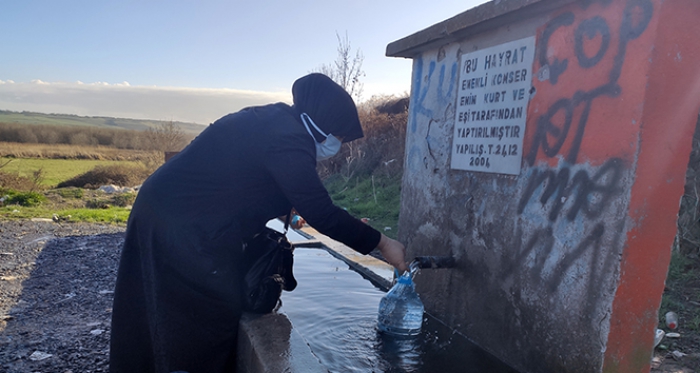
(335, 309)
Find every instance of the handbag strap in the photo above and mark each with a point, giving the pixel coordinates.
(287, 220)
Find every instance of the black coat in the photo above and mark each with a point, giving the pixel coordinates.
(177, 298)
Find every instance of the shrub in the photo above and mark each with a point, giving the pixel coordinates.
(120, 174)
(27, 199)
(381, 150)
(15, 181)
(71, 192)
(123, 199)
(97, 204)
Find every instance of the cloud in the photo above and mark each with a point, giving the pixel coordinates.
(198, 105)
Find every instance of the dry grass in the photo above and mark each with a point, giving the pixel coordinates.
(381, 150)
(17, 182)
(688, 238)
(62, 151)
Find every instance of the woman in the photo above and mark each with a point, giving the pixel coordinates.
(177, 297)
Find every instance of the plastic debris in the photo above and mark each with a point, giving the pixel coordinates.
(96, 331)
(58, 218)
(673, 335)
(658, 337)
(39, 355)
(109, 189)
(677, 354)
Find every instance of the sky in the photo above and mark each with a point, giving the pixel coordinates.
(195, 61)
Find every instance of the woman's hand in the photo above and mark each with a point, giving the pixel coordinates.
(297, 222)
(394, 252)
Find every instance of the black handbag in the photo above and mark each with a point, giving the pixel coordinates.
(267, 263)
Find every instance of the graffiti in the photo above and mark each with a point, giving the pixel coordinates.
(420, 92)
(641, 10)
(589, 28)
(422, 85)
(590, 194)
(421, 89)
(556, 67)
(573, 194)
(541, 243)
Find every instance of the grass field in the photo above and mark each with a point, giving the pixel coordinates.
(30, 118)
(112, 215)
(54, 170)
(376, 199)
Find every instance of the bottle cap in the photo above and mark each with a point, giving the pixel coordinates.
(405, 279)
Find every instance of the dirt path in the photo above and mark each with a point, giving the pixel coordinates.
(56, 284)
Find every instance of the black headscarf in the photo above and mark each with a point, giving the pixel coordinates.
(328, 105)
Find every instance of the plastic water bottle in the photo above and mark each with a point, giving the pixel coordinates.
(671, 320)
(401, 310)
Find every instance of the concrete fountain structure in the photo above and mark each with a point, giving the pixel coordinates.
(546, 151)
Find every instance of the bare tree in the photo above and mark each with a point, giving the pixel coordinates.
(166, 136)
(346, 70)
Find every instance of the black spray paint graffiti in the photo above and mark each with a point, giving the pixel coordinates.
(587, 192)
(542, 242)
(590, 194)
(587, 29)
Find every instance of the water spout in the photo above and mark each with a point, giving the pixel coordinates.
(432, 262)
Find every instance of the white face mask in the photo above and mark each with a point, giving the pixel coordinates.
(325, 149)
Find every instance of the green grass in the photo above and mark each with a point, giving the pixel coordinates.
(681, 285)
(378, 200)
(54, 170)
(31, 199)
(113, 215)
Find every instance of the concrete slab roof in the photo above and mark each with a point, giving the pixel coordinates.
(484, 17)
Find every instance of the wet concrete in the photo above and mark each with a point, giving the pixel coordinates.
(269, 344)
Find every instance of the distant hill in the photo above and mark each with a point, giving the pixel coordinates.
(26, 117)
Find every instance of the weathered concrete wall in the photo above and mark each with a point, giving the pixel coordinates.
(269, 344)
(560, 267)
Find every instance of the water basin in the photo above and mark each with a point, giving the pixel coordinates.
(335, 309)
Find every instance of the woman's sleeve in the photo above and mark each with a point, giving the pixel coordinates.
(292, 164)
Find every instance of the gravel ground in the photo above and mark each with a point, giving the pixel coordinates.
(56, 288)
(56, 285)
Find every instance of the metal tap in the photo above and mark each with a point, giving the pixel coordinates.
(433, 262)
